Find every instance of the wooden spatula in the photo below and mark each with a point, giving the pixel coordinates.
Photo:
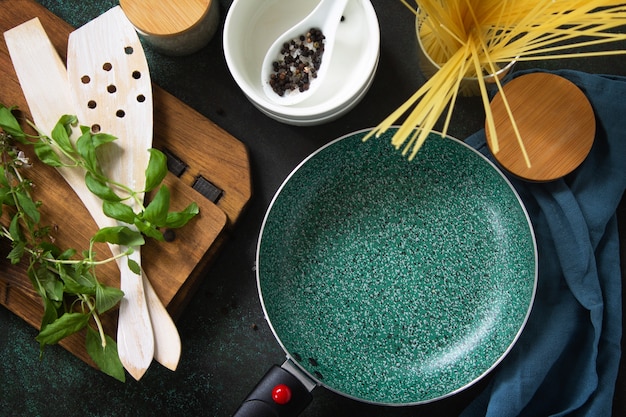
(110, 84)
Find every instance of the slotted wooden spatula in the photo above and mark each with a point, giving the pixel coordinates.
(110, 84)
(43, 78)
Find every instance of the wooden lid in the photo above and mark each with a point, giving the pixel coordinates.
(163, 18)
(556, 123)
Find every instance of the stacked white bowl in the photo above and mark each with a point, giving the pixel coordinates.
(252, 26)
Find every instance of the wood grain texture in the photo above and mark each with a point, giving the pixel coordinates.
(556, 123)
(165, 18)
(174, 268)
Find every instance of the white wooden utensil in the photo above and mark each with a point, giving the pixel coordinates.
(43, 78)
(110, 84)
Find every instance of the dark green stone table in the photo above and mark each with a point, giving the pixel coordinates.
(227, 344)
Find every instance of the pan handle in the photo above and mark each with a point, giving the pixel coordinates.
(278, 394)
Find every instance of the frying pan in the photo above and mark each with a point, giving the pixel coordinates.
(390, 281)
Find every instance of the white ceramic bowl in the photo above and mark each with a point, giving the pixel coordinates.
(252, 26)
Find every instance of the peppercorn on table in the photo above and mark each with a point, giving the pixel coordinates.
(226, 343)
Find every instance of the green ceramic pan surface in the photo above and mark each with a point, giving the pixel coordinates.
(395, 281)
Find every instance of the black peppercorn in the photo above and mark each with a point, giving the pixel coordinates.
(299, 61)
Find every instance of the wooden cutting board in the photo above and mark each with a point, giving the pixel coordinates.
(207, 166)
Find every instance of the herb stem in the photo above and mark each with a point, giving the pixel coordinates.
(96, 318)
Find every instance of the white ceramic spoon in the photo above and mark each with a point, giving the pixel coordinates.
(326, 16)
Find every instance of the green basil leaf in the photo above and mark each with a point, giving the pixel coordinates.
(14, 229)
(105, 357)
(178, 219)
(82, 275)
(156, 170)
(61, 136)
(67, 324)
(156, 212)
(107, 297)
(3, 178)
(73, 287)
(100, 139)
(47, 155)
(118, 211)
(67, 254)
(119, 235)
(4, 198)
(77, 283)
(149, 230)
(28, 205)
(134, 266)
(54, 288)
(100, 189)
(51, 250)
(87, 150)
(9, 123)
(50, 313)
(16, 253)
(34, 273)
(67, 121)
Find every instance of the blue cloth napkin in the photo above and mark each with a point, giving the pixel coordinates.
(567, 358)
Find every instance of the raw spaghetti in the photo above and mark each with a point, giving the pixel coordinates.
(470, 38)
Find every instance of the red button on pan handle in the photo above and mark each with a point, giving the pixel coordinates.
(281, 394)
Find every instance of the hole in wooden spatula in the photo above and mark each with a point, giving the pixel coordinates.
(107, 66)
(128, 50)
(85, 79)
(111, 88)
